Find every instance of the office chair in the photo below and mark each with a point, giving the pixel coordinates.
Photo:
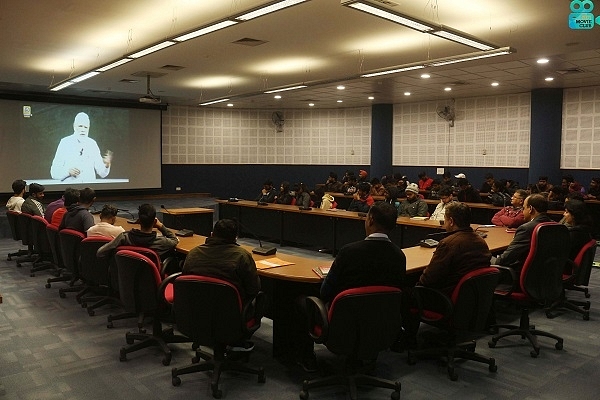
(95, 274)
(577, 277)
(538, 284)
(41, 244)
(139, 280)
(54, 242)
(359, 324)
(211, 313)
(26, 233)
(12, 216)
(69, 242)
(466, 310)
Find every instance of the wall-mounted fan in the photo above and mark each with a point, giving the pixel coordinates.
(447, 113)
(278, 121)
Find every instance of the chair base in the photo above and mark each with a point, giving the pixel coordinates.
(582, 307)
(18, 253)
(216, 363)
(525, 330)
(159, 337)
(465, 351)
(351, 382)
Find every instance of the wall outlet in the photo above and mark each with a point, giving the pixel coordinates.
(439, 171)
(178, 188)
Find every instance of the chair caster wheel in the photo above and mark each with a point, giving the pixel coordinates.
(19, 265)
(48, 285)
(396, 395)
(176, 381)
(128, 340)
(586, 316)
(110, 325)
(83, 305)
(534, 353)
(195, 346)
(587, 305)
(261, 376)
(452, 374)
(91, 312)
(491, 344)
(32, 274)
(122, 355)
(558, 346)
(62, 295)
(493, 368)
(304, 395)
(216, 392)
(587, 295)
(166, 360)
(195, 360)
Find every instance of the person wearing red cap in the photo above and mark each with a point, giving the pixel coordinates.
(362, 176)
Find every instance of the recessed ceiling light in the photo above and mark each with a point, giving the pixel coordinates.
(549, 79)
(339, 101)
(341, 87)
(311, 104)
(277, 96)
(495, 84)
(543, 61)
(371, 98)
(447, 89)
(425, 76)
(229, 104)
(407, 93)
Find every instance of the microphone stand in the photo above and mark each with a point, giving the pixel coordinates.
(260, 250)
(180, 232)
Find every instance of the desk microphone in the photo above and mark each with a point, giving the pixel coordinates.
(260, 250)
(180, 232)
(127, 212)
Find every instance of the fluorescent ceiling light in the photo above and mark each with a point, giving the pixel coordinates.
(152, 49)
(205, 30)
(62, 86)
(399, 19)
(269, 9)
(85, 76)
(114, 64)
(286, 89)
(462, 39)
(392, 71)
(213, 102)
(471, 56)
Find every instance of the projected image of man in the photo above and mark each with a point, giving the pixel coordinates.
(78, 157)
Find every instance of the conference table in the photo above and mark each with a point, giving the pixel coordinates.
(197, 219)
(283, 284)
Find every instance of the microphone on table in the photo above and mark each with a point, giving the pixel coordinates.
(260, 250)
(180, 232)
(127, 212)
(429, 240)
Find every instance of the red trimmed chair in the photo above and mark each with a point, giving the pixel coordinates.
(139, 282)
(95, 273)
(12, 216)
(465, 311)
(41, 244)
(359, 324)
(211, 313)
(54, 241)
(69, 241)
(539, 283)
(577, 277)
(26, 234)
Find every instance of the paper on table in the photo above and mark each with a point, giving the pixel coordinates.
(271, 263)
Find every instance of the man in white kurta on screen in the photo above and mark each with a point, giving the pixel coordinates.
(78, 157)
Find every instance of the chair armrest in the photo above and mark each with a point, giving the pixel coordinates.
(253, 312)
(508, 281)
(162, 288)
(170, 266)
(433, 305)
(318, 323)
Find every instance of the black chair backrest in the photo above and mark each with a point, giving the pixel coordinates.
(364, 321)
(24, 223)
(541, 276)
(207, 310)
(12, 217)
(39, 235)
(94, 269)
(69, 241)
(139, 280)
(472, 299)
(54, 241)
(584, 262)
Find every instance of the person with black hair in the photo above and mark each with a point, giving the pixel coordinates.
(221, 257)
(486, 186)
(579, 223)
(541, 186)
(302, 195)
(106, 226)
(446, 199)
(512, 216)
(593, 192)
(33, 204)
(16, 200)
(284, 196)
(268, 193)
(71, 197)
(78, 216)
(145, 236)
(362, 200)
(467, 193)
(350, 186)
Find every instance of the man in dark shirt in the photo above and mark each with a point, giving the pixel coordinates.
(466, 192)
(77, 216)
(268, 193)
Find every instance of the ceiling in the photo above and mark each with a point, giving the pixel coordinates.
(319, 43)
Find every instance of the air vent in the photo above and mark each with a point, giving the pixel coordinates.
(458, 83)
(570, 71)
(387, 3)
(129, 80)
(249, 42)
(172, 67)
(150, 74)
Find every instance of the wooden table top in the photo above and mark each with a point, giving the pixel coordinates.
(190, 210)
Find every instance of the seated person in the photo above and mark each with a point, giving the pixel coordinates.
(445, 200)
(267, 194)
(556, 198)
(498, 195)
(511, 186)
(362, 176)
(78, 216)
(284, 196)
(16, 200)
(52, 207)
(349, 187)
(413, 206)
(377, 188)
(511, 216)
(576, 187)
(332, 185)
(534, 212)
(33, 204)
(362, 200)
(566, 182)
(541, 186)
(457, 254)
(424, 181)
(145, 236)
(434, 191)
(393, 190)
(447, 180)
(72, 198)
(221, 257)
(593, 192)
(486, 186)
(466, 193)
(302, 195)
(579, 224)
(106, 226)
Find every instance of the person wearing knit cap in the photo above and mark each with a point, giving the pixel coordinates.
(413, 206)
(362, 176)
